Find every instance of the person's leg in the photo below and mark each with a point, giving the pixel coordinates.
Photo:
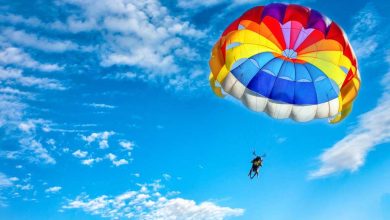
(252, 173)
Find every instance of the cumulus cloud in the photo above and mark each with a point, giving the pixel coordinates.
(17, 19)
(120, 162)
(113, 158)
(179, 208)
(149, 204)
(26, 126)
(90, 161)
(16, 56)
(11, 76)
(11, 187)
(30, 125)
(11, 108)
(5, 181)
(18, 86)
(25, 187)
(100, 137)
(128, 145)
(80, 153)
(11, 119)
(138, 33)
(14, 109)
(22, 38)
(53, 189)
(34, 151)
(364, 36)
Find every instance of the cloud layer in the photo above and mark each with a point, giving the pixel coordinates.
(148, 203)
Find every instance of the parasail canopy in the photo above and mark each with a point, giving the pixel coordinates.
(288, 61)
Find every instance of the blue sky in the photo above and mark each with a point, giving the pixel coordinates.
(106, 112)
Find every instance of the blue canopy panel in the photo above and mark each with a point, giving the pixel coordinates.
(285, 81)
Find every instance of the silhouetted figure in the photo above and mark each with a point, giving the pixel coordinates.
(257, 162)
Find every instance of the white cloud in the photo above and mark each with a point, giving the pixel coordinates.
(113, 158)
(73, 24)
(15, 76)
(137, 33)
(35, 151)
(14, 109)
(101, 137)
(15, 92)
(172, 193)
(17, 19)
(25, 187)
(53, 189)
(136, 175)
(80, 153)
(365, 20)
(29, 148)
(364, 35)
(11, 109)
(156, 185)
(90, 161)
(30, 125)
(364, 47)
(144, 204)
(125, 76)
(14, 179)
(5, 181)
(16, 56)
(128, 145)
(12, 113)
(120, 162)
(100, 105)
(12, 120)
(32, 40)
(103, 144)
(141, 34)
(179, 208)
(166, 176)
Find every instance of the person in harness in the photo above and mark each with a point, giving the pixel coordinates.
(257, 162)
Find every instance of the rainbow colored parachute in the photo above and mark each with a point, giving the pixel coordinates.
(289, 61)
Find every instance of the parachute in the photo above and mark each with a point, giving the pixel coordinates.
(288, 61)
